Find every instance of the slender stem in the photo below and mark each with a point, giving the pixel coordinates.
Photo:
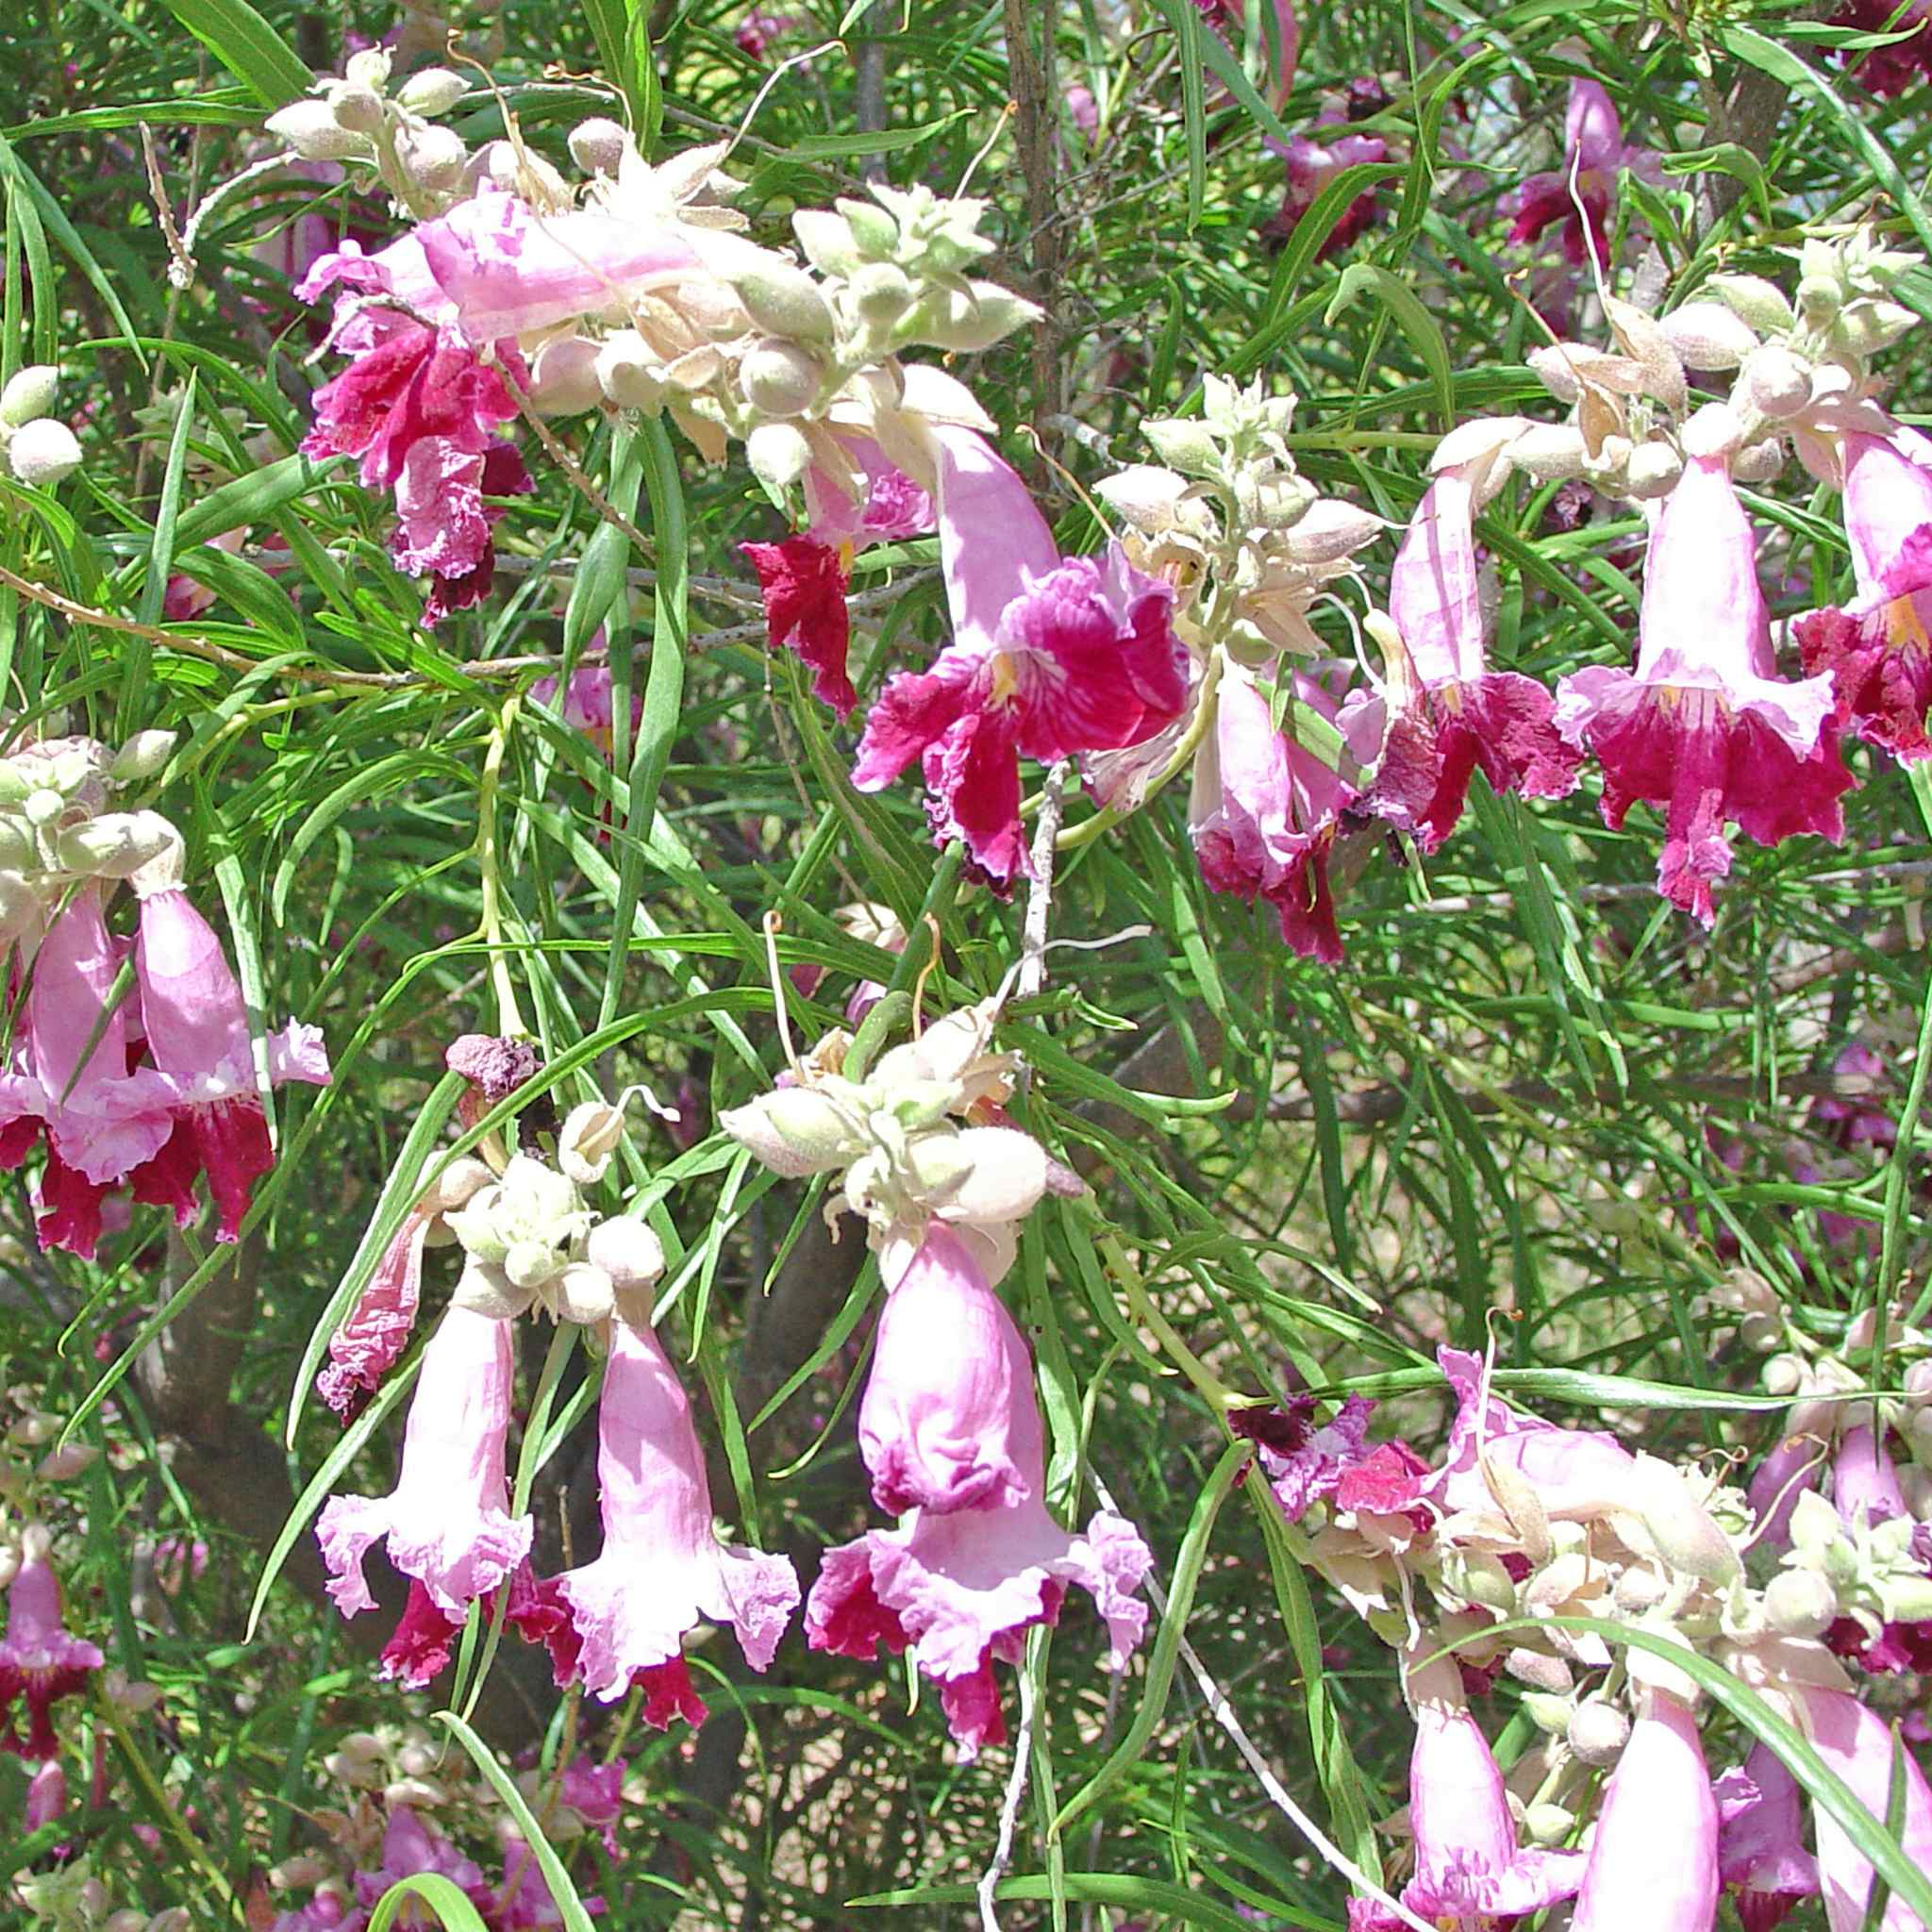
(510, 1019)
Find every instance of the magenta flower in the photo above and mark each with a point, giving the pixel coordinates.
(1704, 729)
(1228, 19)
(410, 1849)
(1760, 1847)
(1468, 1869)
(101, 1124)
(46, 1795)
(1449, 712)
(1856, 1119)
(1653, 1861)
(1864, 1483)
(447, 1522)
(1311, 165)
(196, 1026)
(1888, 69)
(756, 32)
(376, 1330)
(1795, 1466)
(39, 1662)
(657, 1508)
(1876, 647)
(1049, 657)
(1305, 1464)
(961, 1583)
(1856, 1742)
(1592, 145)
(1265, 810)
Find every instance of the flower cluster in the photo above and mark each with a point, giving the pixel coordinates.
(145, 1093)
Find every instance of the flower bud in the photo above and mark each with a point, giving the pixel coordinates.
(1917, 1381)
(1540, 1670)
(1800, 1603)
(357, 109)
(460, 1182)
(1759, 463)
(141, 756)
(1761, 303)
(1866, 327)
(1183, 443)
(1777, 381)
(312, 131)
(1329, 531)
(434, 90)
(43, 452)
(368, 67)
(1548, 1713)
(598, 147)
(19, 906)
(627, 371)
(412, 1790)
(1819, 299)
(779, 378)
(792, 1131)
(1759, 1333)
(1783, 1375)
(626, 1250)
(778, 455)
(29, 393)
(968, 321)
(874, 233)
(1598, 1732)
(487, 1290)
(565, 380)
(433, 157)
(63, 1465)
(116, 845)
(530, 1264)
(1549, 452)
(304, 1869)
(784, 300)
(1485, 1580)
(1708, 335)
(1653, 470)
(1682, 1528)
(46, 1795)
(176, 1919)
(826, 238)
(589, 1138)
(583, 1294)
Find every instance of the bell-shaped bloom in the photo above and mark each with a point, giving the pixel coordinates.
(1049, 657)
(1761, 1857)
(960, 1587)
(1857, 1744)
(447, 1522)
(1704, 729)
(662, 1569)
(376, 1330)
(196, 1026)
(1310, 165)
(1877, 648)
(1864, 1482)
(1792, 1469)
(1265, 810)
(1653, 1861)
(1448, 711)
(40, 1661)
(507, 270)
(1593, 147)
(1468, 1869)
(71, 1082)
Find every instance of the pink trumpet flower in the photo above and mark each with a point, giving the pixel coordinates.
(1703, 729)
(376, 1330)
(1050, 656)
(1761, 1856)
(40, 1661)
(1856, 1742)
(197, 1024)
(1468, 1869)
(1449, 712)
(1654, 1860)
(1265, 810)
(657, 1525)
(980, 1562)
(1877, 648)
(1593, 147)
(447, 1522)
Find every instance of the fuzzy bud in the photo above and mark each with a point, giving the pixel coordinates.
(598, 147)
(625, 1250)
(1653, 470)
(1686, 1536)
(1183, 443)
(43, 452)
(116, 845)
(1548, 1713)
(1540, 1670)
(1917, 1382)
(1800, 1603)
(784, 300)
(826, 238)
(1549, 452)
(1547, 1824)
(1866, 327)
(627, 371)
(1708, 335)
(434, 90)
(1329, 531)
(141, 756)
(433, 157)
(779, 378)
(879, 292)
(313, 132)
(778, 455)
(792, 1131)
(29, 393)
(1783, 1375)
(966, 322)
(357, 110)
(1819, 299)
(1598, 1732)
(565, 380)
(874, 233)
(583, 1294)
(589, 1139)
(369, 68)
(1759, 462)
(1761, 303)
(1776, 382)
(63, 1465)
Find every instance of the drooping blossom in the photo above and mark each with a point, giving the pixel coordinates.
(70, 1084)
(196, 1027)
(1311, 165)
(1703, 729)
(1877, 648)
(1448, 711)
(1305, 1464)
(1049, 657)
(447, 1522)
(1654, 1860)
(40, 1662)
(658, 1531)
(1761, 1857)
(970, 1571)
(1265, 810)
(854, 497)
(375, 1331)
(1856, 1742)
(1594, 147)
(1470, 1871)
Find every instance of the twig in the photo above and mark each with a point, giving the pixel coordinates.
(870, 86)
(1039, 896)
(1035, 101)
(1010, 1807)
